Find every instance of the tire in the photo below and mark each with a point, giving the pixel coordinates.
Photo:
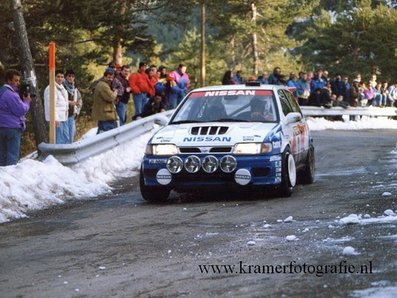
(288, 174)
(307, 175)
(152, 194)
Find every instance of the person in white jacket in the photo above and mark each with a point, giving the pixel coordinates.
(61, 109)
(75, 102)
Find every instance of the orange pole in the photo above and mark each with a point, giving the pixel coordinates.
(51, 55)
(51, 66)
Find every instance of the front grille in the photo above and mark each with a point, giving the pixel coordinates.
(185, 150)
(221, 149)
(208, 130)
(189, 150)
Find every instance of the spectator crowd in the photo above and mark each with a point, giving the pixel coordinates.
(319, 89)
(153, 90)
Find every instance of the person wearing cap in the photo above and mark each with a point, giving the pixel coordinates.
(75, 102)
(103, 109)
(251, 79)
(61, 108)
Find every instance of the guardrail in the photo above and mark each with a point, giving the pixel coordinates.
(69, 154)
(353, 111)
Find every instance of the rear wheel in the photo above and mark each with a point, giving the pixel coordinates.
(307, 175)
(153, 193)
(288, 174)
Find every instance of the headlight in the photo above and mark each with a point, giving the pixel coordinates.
(210, 164)
(228, 164)
(174, 164)
(252, 148)
(192, 164)
(161, 149)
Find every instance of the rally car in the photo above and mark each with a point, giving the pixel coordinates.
(221, 137)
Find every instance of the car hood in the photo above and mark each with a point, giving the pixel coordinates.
(213, 134)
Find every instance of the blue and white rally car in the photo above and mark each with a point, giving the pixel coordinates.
(220, 137)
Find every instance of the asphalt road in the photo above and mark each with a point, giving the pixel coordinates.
(227, 245)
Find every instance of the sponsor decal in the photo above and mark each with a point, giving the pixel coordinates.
(163, 177)
(231, 93)
(157, 161)
(163, 140)
(207, 139)
(242, 176)
(277, 144)
(275, 157)
(248, 138)
(296, 131)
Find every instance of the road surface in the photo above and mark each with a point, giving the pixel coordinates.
(227, 245)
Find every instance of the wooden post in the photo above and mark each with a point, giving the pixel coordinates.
(51, 66)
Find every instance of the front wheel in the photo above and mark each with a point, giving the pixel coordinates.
(288, 174)
(155, 194)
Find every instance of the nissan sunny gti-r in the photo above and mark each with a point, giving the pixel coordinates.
(244, 136)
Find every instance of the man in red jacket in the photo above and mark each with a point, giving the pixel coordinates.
(141, 88)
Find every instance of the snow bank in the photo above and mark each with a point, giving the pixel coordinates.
(33, 185)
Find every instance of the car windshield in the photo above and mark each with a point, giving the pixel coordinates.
(225, 106)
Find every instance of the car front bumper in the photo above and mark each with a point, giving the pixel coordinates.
(252, 170)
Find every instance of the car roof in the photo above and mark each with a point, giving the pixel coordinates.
(240, 87)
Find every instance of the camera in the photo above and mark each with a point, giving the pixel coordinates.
(25, 90)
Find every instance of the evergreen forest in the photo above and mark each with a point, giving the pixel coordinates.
(341, 36)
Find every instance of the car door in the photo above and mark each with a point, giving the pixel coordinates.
(299, 138)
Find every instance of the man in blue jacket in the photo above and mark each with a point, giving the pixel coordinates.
(13, 109)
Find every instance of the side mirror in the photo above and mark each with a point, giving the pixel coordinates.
(161, 120)
(293, 117)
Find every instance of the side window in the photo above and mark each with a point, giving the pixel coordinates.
(292, 102)
(285, 105)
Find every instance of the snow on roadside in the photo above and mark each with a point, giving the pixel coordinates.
(33, 185)
(365, 123)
